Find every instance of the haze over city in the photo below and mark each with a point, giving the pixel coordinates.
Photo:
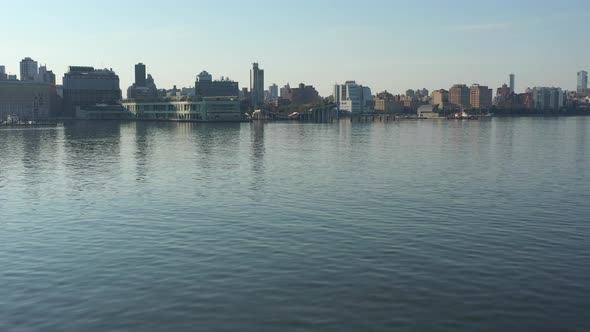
(385, 44)
(325, 165)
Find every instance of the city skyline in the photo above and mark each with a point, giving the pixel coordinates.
(396, 54)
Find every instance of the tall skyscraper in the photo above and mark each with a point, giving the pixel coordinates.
(140, 78)
(257, 85)
(512, 83)
(28, 70)
(3, 76)
(582, 81)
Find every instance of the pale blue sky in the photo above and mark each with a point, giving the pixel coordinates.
(385, 44)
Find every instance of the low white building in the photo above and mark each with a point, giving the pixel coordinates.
(428, 111)
(186, 109)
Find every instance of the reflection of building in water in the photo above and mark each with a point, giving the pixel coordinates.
(257, 155)
(142, 149)
(39, 156)
(186, 109)
(92, 150)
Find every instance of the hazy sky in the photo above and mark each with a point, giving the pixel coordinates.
(386, 44)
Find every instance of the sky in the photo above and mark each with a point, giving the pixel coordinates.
(384, 44)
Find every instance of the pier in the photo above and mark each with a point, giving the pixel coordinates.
(320, 114)
(373, 118)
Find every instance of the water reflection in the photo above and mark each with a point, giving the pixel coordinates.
(92, 153)
(142, 150)
(257, 153)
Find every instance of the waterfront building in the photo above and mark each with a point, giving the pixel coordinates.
(439, 97)
(205, 86)
(29, 100)
(582, 85)
(85, 86)
(383, 105)
(546, 98)
(386, 102)
(412, 105)
(508, 101)
(28, 69)
(512, 83)
(140, 75)
(207, 109)
(460, 96)
(353, 98)
(428, 111)
(304, 94)
(257, 86)
(481, 97)
(503, 93)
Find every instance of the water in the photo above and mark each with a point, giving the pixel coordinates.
(405, 226)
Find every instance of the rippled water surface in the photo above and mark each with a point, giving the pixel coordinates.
(405, 226)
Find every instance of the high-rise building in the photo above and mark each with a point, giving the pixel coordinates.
(548, 98)
(28, 69)
(3, 76)
(582, 81)
(439, 97)
(86, 86)
(46, 76)
(257, 85)
(353, 98)
(460, 96)
(512, 83)
(144, 88)
(274, 92)
(140, 78)
(481, 97)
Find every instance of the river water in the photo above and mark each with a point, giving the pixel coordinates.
(401, 226)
